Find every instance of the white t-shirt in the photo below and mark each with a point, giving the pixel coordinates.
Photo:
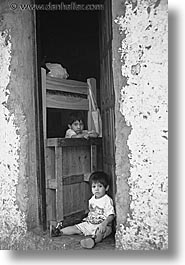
(100, 209)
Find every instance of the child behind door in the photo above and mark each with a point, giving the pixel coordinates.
(76, 128)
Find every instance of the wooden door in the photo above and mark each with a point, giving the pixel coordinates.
(69, 163)
(107, 92)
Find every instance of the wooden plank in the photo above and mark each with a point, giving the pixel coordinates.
(69, 180)
(52, 184)
(72, 141)
(93, 158)
(43, 78)
(67, 203)
(75, 198)
(50, 194)
(50, 163)
(76, 192)
(66, 85)
(59, 190)
(99, 158)
(51, 205)
(71, 217)
(82, 211)
(76, 160)
(66, 102)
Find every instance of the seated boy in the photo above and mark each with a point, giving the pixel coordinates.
(98, 224)
(76, 128)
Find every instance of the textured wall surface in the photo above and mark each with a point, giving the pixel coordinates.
(143, 29)
(18, 165)
(12, 220)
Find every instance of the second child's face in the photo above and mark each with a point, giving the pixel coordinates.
(77, 126)
(98, 190)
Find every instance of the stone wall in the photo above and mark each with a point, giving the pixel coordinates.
(140, 36)
(18, 165)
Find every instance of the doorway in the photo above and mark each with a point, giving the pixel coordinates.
(71, 38)
(81, 42)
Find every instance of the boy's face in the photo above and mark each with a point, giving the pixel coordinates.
(77, 126)
(98, 189)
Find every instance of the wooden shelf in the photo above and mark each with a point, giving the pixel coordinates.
(73, 142)
(66, 85)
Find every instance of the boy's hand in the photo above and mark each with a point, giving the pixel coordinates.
(102, 227)
(86, 136)
(92, 134)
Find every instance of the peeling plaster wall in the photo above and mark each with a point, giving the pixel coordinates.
(18, 179)
(12, 219)
(140, 30)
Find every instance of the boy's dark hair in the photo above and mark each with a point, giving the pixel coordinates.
(75, 116)
(101, 177)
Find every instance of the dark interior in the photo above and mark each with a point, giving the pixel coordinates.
(57, 121)
(70, 38)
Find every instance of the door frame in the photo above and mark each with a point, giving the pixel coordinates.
(104, 105)
(39, 130)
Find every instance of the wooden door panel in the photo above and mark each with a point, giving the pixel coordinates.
(69, 163)
(74, 198)
(78, 157)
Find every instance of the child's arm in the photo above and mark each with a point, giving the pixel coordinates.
(90, 134)
(83, 134)
(80, 135)
(86, 215)
(108, 220)
(86, 135)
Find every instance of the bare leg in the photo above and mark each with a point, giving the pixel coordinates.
(99, 236)
(70, 230)
(90, 242)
